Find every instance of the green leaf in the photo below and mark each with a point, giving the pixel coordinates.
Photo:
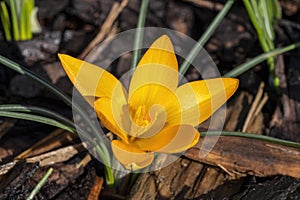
(258, 59)
(205, 37)
(15, 19)
(267, 16)
(22, 70)
(36, 118)
(37, 111)
(262, 13)
(25, 32)
(138, 39)
(40, 184)
(252, 136)
(5, 19)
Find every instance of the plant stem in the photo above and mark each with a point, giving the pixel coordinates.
(109, 178)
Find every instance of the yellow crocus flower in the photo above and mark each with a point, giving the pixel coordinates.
(154, 115)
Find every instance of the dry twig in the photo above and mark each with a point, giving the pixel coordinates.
(116, 9)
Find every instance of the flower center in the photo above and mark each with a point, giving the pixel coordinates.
(141, 117)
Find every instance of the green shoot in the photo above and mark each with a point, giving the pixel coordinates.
(5, 20)
(14, 19)
(18, 19)
(263, 14)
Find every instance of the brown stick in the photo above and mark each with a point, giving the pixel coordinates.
(54, 140)
(254, 107)
(207, 4)
(116, 9)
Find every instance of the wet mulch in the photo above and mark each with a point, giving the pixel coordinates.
(236, 168)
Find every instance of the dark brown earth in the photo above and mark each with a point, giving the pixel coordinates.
(69, 26)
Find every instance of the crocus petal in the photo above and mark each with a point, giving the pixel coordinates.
(112, 119)
(172, 139)
(160, 52)
(153, 94)
(89, 79)
(158, 65)
(130, 156)
(158, 118)
(200, 99)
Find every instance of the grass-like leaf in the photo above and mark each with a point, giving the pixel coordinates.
(40, 184)
(263, 15)
(36, 118)
(105, 155)
(14, 19)
(17, 17)
(205, 37)
(258, 59)
(138, 39)
(252, 136)
(38, 111)
(5, 19)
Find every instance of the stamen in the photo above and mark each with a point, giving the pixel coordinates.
(141, 117)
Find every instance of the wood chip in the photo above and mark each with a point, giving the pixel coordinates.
(96, 189)
(6, 167)
(60, 155)
(54, 140)
(183, 179)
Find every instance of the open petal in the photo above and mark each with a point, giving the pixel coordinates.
(160, 52)
(154, 94)
(172, 139)
(200, 99)
(158, 65)
(130, 156)
(158, 118)
(89, 79)
(112, 119)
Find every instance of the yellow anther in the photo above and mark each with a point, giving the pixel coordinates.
(141, 117)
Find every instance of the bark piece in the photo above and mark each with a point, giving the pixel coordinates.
(276, 189)
(183, 179)
(248, 156)
(66, 182)
(285, 122)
